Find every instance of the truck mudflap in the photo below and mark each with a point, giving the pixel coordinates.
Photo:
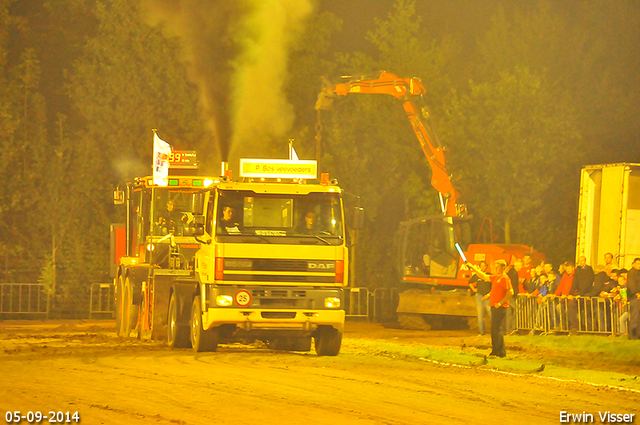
(274, 320)
(447, 303)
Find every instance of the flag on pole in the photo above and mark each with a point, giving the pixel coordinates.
(161, 151)
(292, 152)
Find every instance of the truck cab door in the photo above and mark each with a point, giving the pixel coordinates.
(206, 255)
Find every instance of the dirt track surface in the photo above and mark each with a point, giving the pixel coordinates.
(84, 367)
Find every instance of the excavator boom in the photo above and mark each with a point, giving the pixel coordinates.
(409, 91)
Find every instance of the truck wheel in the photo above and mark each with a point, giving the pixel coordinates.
(117, 305)
(201, 340)
(327, 341)
(177, 336)
(129, 310)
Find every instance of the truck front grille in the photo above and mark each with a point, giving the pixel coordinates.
(279, 303)
(277, 278)
(278, 314)
(279, 265)
(278, 293)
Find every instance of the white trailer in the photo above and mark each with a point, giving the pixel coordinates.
(609, 213)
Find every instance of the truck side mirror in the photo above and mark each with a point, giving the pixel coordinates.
(358, 218)
(118, 197)
(197, 204)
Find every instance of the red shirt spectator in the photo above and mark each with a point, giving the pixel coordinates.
(500, 285)
(564, 288)
(523, 274)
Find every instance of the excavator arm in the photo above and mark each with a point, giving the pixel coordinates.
(408, 90)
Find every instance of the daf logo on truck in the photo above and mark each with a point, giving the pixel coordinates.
(321, 265)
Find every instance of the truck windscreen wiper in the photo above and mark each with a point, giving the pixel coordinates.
(323, 240)
(263, 238)
(306, 239)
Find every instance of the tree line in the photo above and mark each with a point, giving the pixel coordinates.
(521, 99)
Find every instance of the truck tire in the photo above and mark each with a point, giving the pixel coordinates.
(117, 311)
(130, 311)
(201, 340)
(177, 336)
(327, 341)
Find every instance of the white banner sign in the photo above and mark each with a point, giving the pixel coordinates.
(161, 152)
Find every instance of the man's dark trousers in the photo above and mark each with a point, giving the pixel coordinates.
(497, 339)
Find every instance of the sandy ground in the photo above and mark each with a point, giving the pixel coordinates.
(83, 367)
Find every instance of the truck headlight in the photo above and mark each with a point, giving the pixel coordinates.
(224, 300)
(332, 302)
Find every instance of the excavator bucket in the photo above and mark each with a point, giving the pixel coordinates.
(421, 301)
(325, 100)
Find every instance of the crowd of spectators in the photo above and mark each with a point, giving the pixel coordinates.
(570, 289)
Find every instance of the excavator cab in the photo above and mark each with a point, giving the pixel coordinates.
(427, 248)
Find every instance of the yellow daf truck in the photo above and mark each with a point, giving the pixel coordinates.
(208, 260)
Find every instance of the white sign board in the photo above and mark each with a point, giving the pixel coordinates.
(278, 168)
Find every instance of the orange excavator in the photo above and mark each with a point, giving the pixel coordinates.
(434, 280)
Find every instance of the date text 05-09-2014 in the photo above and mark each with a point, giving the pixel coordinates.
(49, 417)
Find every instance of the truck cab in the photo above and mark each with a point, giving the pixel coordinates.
(263, 258)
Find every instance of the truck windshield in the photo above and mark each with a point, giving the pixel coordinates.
(171, 212)
(280, 218)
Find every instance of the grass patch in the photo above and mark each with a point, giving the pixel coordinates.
(514, 363)
(614, 348)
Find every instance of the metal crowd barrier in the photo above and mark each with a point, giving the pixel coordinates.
(385, 303)
(357, 302)
(101, 300)
(526, 308)
(23, 300)
(594, 315)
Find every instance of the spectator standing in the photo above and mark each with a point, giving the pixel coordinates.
(622, 298)
(581, 287)
(633, 296)
(524, 274)
(512, 311)
(482, 288)
(609, 291)
(533, 281)
(501, 293)
(583, 278)
(566, 281)
(608, 263)
(611, 288)
(543, 313)
(564, 291)
(545, 284)
(561, 270)
(527, 262)
(553, 278)
(600, 279)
